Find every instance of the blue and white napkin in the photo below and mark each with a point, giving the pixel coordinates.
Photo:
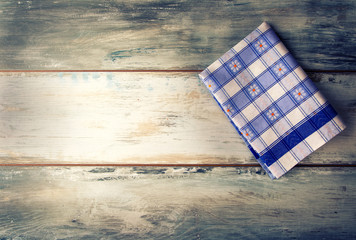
(271, 101)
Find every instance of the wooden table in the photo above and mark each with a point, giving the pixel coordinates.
(106, 132)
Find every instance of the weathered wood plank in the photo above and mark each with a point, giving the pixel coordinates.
(153, 34)
(138, 118)
(176, 203)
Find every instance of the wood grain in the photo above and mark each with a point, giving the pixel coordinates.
(138, 118)
(157, 117)
(176, 203)
(154, 34)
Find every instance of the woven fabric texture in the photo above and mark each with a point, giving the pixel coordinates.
(271, 101)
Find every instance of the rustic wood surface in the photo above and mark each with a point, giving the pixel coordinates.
(154, 34)
(176, 203)
(138, 118)
(161, 118)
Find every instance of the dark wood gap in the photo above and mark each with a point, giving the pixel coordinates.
(153, 70)
(157, 165)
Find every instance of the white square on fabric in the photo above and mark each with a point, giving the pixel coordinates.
(244, 78)
(241, 45)
(258, 145)
(257, 68)
(300, 73)
(295, 116)
(232, 87)
(288, 161)
(227, 56)
(320, 98)
(301, 150)
(309, 106)
(263, 102)
(328, 130)
(282, 126)
(276, 91)
(215, 65)
(221, 96)
(281, 49)
(270, 57)
(276, 169)
(250, 112)
(239, 121)
(203, 74)
(315, 141)
(269, 136)
(252, 36)
(264, 27)
(338, 121)
(289, 81)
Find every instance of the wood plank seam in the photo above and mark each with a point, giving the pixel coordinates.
(157, 165)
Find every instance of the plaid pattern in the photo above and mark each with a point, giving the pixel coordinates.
(270, 100)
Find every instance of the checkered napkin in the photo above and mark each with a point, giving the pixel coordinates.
(271, 101)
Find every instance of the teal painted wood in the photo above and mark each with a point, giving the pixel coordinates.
(138, 118)
(176, 203)
(93, 34)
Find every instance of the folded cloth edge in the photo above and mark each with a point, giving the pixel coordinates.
(272, 171)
